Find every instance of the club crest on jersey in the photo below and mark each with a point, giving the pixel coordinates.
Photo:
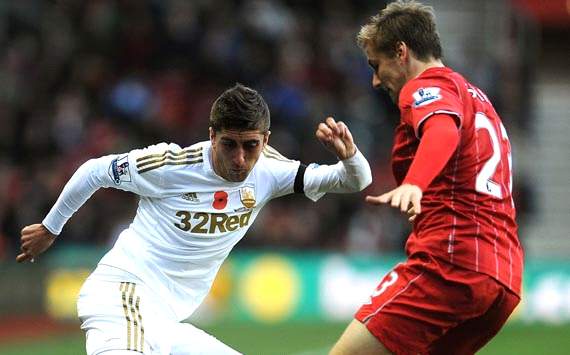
(191, 196)
(247, 196)
(119, 170)
(425, 96)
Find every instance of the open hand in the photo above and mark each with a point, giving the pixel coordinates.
(336, 137)
(405, 197)
(35, 240)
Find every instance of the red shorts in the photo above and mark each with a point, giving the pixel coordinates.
(428, 306)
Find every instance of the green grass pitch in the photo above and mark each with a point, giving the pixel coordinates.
(312, 339)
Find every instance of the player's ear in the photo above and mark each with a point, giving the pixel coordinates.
(266, 138)
(212, 133)
(402, 51)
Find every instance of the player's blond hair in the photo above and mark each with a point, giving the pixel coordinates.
(402, 21)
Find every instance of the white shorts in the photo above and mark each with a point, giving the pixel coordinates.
(126, 316)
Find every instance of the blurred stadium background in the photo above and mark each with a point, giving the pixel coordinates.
(81, 79)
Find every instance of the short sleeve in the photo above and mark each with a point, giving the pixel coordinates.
(423, 98)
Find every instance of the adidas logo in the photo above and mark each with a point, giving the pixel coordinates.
(191, 196)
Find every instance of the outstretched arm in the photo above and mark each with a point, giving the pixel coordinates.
(90, 176)
(440, 139)
(37, 238)
(141, 171)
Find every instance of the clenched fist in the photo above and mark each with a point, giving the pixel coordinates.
(35, 240)
(336, 137)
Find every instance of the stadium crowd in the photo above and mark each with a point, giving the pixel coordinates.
(82, 79)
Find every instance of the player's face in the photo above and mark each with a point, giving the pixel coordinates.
(388, 73)
(235, 152)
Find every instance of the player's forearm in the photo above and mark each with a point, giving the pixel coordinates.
(439, 140)
(355, 173)
(349, 175)
(86, 180)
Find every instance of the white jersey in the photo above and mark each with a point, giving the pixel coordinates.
(189, 218)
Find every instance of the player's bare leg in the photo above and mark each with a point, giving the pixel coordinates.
(357, 340)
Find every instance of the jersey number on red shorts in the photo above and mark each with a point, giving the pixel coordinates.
(486, 181)
(389, 281)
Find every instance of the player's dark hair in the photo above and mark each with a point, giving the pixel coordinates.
(240, 108)
(402, 21)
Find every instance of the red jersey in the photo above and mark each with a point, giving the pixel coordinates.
(468, 215)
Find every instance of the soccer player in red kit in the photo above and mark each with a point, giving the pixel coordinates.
(452, 161)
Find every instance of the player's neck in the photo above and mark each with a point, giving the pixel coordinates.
(417, 66)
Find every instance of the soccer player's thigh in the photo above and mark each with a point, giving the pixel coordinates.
(387, 316)
(119, 317)
(470, 336)
(357, 340)
(413, 306)
(187, 339)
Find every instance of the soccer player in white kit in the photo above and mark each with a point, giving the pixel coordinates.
(195, 204)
